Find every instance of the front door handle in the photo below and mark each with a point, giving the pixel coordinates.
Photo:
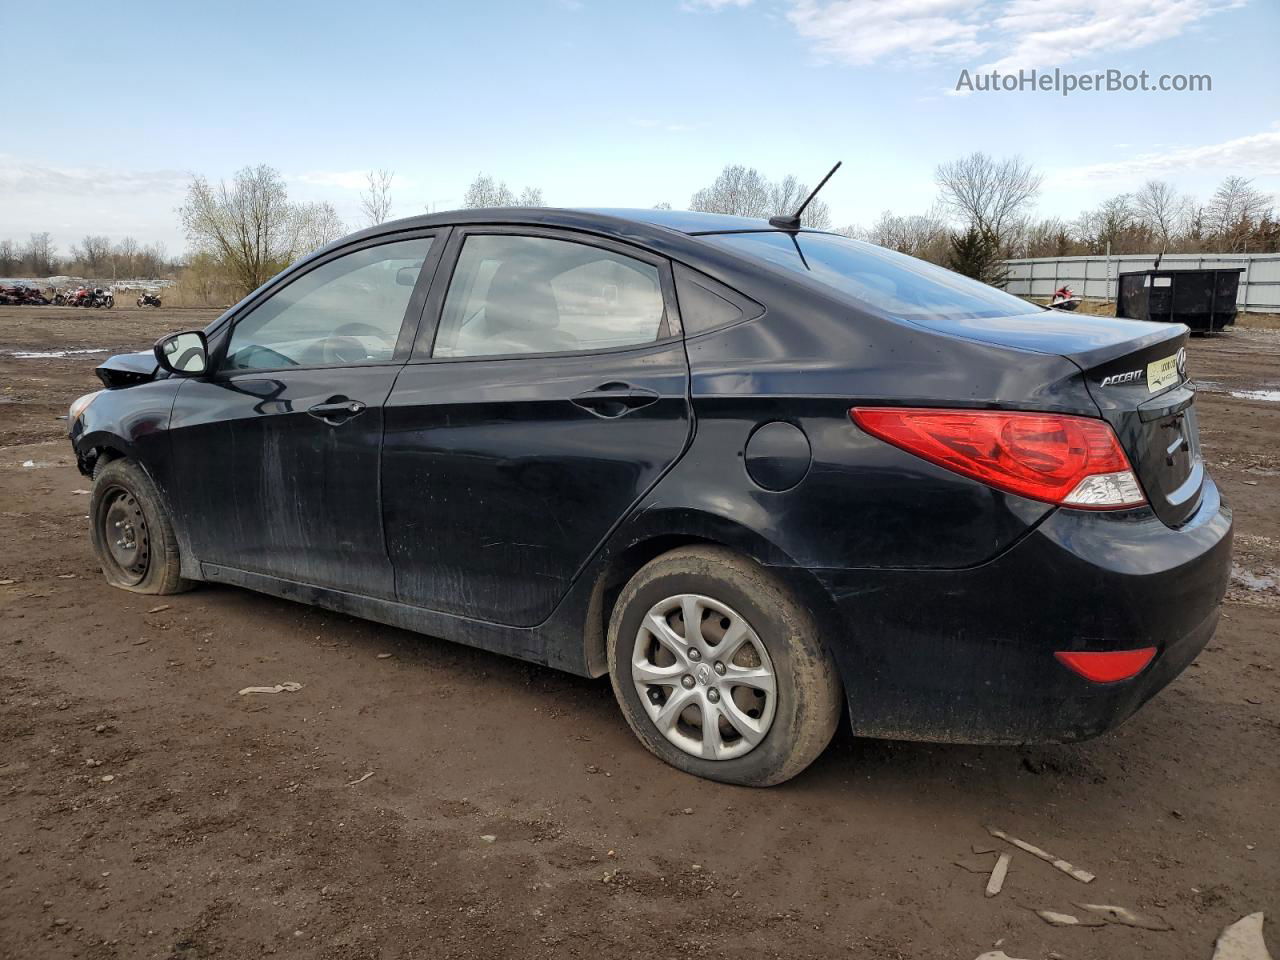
(336, 411)
(611, 400)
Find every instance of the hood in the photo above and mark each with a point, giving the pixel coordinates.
(128, 370)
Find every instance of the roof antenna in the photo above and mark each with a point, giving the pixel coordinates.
(793, 222)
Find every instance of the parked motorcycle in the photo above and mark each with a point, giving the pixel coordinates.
(103, 298)
(22, 295)
(1064, 299)
(148, 300)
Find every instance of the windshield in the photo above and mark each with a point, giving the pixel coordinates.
(890, 283)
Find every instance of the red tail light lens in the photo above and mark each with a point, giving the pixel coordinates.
(1072, 461)
(1109, 666)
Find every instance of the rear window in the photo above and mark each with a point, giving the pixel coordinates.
(890, 283)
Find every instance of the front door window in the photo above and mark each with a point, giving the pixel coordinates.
(344, 312)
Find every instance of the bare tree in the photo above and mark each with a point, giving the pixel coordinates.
(250, 227)
(788, 193)
(313, 226)
(662, 206)
(1050, 237)
(1235, 211)
(531, 197)
(9, 259)
(93, 255)
(986, 193)
(919, 235)
(375, 202)
(739, 191)
(39, 255)
(745, 192)
(125, 256)
(1160, 207)
(1115, 223)
(485, 191)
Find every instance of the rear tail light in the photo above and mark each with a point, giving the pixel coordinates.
(1071, 461)
(1110, 666)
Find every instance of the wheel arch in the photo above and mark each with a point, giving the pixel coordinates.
(656, 532)
(100, 447)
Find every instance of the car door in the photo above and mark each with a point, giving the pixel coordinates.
(549, 396)
(277, 451)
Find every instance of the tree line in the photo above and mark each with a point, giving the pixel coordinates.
(984, 214)
(242, 231)
(94, 256)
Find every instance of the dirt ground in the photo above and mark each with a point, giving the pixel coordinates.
(146, 810)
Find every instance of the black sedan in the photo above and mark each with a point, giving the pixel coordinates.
(757, 474)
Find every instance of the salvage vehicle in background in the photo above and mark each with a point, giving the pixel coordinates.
(755, 473)
(22, 295)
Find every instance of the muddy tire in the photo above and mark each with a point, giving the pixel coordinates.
(132, 531)
(749, 695)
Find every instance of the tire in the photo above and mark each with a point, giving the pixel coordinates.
(736, 598)
(132, 532)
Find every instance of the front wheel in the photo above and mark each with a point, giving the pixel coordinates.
(132, 532)
(719, 669)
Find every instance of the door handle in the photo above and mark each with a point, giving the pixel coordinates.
(611, 400)
(335, 412)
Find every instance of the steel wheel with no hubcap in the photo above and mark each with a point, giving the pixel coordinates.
(704, 677)
(124, 531)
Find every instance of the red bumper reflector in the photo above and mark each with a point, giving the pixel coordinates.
(1110, 666)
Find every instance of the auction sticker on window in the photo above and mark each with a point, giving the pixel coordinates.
(1162, 373)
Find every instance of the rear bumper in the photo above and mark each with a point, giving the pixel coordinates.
(968, 655)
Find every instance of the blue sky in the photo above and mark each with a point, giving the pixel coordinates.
(615, 103)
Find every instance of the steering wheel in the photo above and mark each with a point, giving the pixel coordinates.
(346, 344)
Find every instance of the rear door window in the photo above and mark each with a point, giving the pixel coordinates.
(517, 295)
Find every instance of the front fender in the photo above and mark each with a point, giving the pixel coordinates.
(130, 422)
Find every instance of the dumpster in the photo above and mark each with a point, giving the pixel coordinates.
(1205, 300)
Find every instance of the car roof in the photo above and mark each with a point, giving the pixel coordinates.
(686, 221)
(636, 224)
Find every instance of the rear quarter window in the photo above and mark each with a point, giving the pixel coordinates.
(706, 304)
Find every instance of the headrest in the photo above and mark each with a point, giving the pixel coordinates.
(520, 298)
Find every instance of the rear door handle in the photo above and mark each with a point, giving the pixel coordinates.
(611, 400)
(337, 411)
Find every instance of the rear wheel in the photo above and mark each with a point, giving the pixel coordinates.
(132, 532)
(719, 669)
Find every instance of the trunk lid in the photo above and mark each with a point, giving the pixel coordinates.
(1145, 395)
(1136, 374)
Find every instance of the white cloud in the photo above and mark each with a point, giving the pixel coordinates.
(1257, 154)
(1051, 33)
(20, 177)
(1010, 34)
(864, 31)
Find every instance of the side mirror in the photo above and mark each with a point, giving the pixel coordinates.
(186, 354)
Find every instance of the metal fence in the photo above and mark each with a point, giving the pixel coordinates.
(1094, 278)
